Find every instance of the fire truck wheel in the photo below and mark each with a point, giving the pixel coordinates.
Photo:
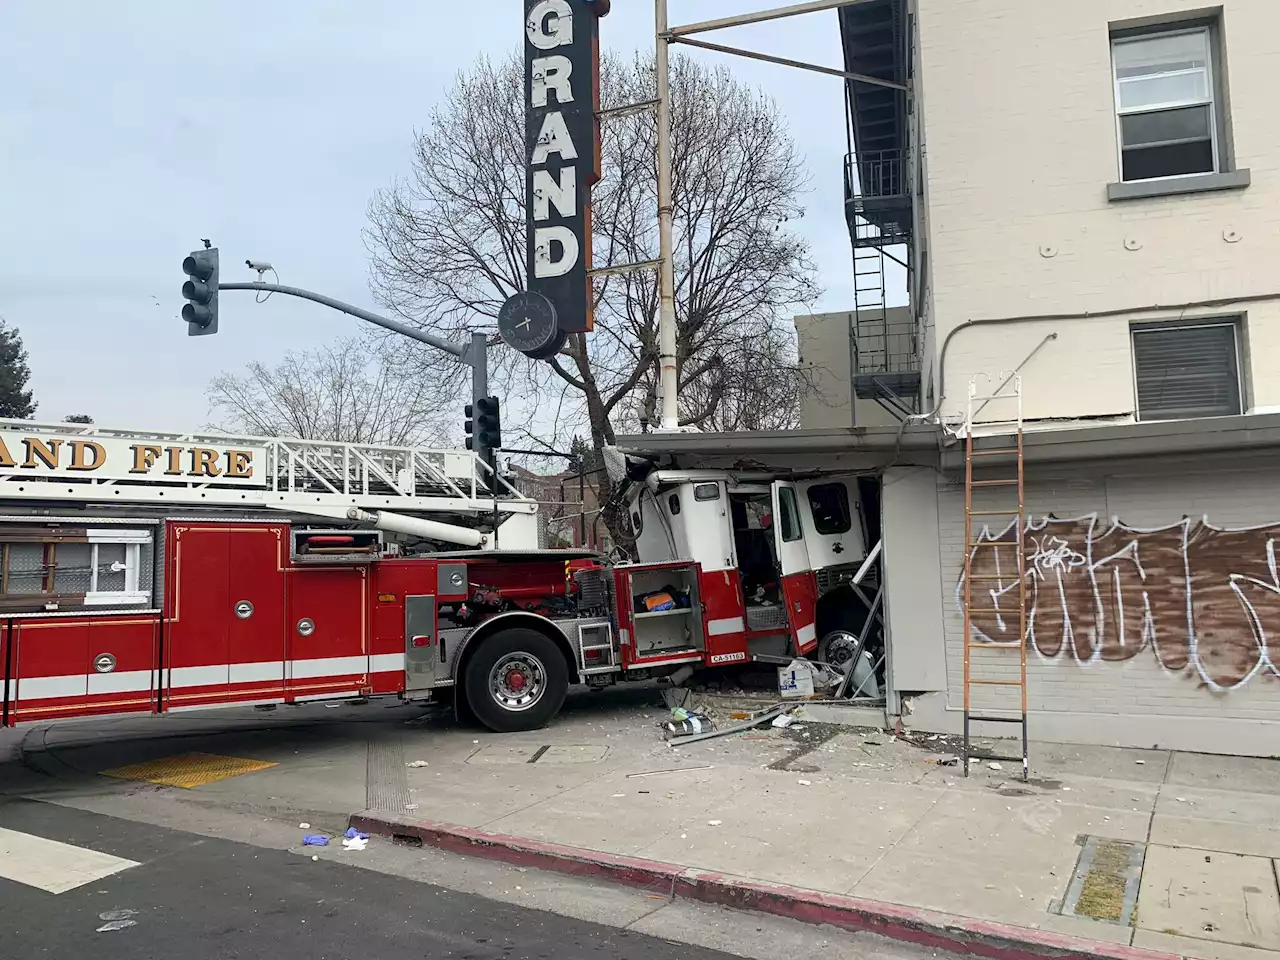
(517, 680)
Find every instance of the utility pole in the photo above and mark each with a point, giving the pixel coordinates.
(668, 381)
(665, 35)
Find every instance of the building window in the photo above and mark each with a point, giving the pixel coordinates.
(1168, 105)
(1185, 371)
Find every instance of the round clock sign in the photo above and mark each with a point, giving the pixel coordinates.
(527, 322)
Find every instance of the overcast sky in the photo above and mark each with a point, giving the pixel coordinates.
(133, 128)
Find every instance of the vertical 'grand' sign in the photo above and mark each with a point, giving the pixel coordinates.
(562, 151)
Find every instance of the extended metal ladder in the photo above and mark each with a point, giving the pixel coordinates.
(985, 439)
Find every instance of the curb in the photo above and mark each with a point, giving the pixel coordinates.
(928, 928)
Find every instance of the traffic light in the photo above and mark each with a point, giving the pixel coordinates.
(484, 427)
(201, 292)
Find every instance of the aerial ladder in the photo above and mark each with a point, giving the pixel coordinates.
(429, 492)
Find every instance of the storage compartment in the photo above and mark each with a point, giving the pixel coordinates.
(664, 607)
(335, 546)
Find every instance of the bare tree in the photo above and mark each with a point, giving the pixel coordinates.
(353, 391)
(448, 247)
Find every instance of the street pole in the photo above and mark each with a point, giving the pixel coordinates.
(669, 419)
(474, 354)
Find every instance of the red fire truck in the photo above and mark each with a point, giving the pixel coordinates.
(148, 572)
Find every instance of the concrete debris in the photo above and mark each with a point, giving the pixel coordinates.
(947, 761)
(805, 783)
(733, 728)
(654, 773)
(304, 826)
(114, 925)
(784, 721)
(417, 763)
(994, 766)
(714, 823)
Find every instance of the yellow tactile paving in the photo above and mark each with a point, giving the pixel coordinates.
(187, 770)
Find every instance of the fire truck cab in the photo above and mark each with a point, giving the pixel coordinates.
(780, 560)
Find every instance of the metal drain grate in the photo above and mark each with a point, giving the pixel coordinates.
(1105, 883)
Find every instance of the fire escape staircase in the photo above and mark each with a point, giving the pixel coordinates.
(884, 341)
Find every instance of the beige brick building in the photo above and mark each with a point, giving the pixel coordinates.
(1094, 197)
(1088, 194)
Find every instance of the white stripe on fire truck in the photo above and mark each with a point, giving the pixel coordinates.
(46, 688)
(257, 672)
(718, 628)
(132, 681)
(126, 681)
(209, 676)
(385, 662)
(328, 667)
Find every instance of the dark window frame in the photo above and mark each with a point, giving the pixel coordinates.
(701, 488)
(1220, 128)
(845, 520)
(787, 496)
(1155, 329)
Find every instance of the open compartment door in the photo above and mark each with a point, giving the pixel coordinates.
(799, 586)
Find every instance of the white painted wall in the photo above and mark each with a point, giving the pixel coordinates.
(911, 568)
(1020, 144)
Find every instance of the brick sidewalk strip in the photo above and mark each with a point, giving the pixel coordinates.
(927, 928)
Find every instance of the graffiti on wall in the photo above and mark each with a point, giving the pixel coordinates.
(1202, 600)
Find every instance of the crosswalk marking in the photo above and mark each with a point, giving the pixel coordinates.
(52, 866)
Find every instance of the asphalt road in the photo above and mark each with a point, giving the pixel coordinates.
(206, 899)
(219, 872)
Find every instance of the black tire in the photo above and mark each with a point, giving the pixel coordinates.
(841, 612)
(529, 653)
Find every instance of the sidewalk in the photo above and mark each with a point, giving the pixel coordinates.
(822, 822)
(861, 814)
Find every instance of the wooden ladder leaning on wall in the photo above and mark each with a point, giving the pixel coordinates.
(996, 443)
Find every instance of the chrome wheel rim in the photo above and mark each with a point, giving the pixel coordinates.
(837, 648)
(517, 681)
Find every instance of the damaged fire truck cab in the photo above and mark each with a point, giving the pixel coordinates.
(778, 559)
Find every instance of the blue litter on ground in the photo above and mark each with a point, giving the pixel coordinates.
(315, 840)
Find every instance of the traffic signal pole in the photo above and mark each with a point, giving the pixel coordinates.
(474, 353)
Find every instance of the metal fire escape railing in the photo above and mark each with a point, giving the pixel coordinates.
(885, 342)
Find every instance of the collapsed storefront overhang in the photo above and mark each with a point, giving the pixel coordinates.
(870, 449)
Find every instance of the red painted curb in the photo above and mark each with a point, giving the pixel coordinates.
(929, 928)
(522, 852)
